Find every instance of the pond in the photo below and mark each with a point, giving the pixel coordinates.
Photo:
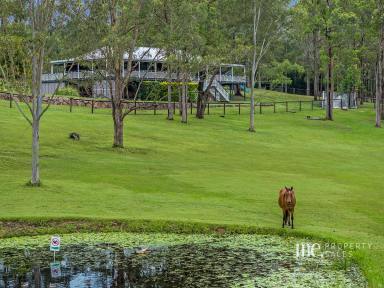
(168, 260)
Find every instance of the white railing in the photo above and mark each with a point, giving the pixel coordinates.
(217, 87)
(150, 75)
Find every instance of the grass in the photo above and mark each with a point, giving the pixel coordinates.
(262, 95)
(209, 171)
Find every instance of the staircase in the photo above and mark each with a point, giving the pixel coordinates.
(217, 91)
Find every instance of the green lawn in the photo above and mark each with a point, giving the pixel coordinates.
(262, 95)
(209, 171)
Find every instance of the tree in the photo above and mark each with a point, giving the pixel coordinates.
(380, 63)
(267, 17)
(40, 19)
(117, 27)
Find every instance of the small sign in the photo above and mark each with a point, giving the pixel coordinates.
(55, 270)
(55, 243)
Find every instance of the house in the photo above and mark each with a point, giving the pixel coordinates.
(148, 65)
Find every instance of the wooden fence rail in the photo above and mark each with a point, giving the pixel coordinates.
(156, 106)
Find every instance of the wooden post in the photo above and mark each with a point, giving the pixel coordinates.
(10, 100)
(191, 107)
(135, 107)
(286, 106)
(239, 108)
(93, 106)
(274, 107)
(260, 107)
(300, 105)
(224, 108)
(341, 103)
(154, 109)
(70, 104)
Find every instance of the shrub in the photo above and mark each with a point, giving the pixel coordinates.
(68, 91)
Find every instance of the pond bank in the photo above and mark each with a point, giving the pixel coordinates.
(170, 260)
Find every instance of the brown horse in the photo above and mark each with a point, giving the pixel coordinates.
(287, 202)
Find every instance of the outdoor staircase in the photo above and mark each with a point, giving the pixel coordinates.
(217, 91)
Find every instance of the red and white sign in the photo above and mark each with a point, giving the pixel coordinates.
(55, 243)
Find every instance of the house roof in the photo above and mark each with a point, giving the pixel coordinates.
(140, 53)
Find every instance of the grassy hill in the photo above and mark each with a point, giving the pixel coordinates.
(209, 171)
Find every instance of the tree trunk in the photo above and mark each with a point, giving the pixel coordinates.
(118, 127)
(170, 106)
(379, 79)
(184, 103)
(252, 108)
(308, 79)
(117, 109)
(37, 102)
(259, 86)
(329, 106)
(201, 101)
(35, 179)
(316, 73)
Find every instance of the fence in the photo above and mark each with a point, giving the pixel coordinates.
(155, 108)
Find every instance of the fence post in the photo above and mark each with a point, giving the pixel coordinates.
(154, 109)
(300, 105)
(224, 108)
(70, 104)
(135, 108)
(341, 103)
(239, 108)
(286, 106)
(93, 105)
(260, 107)
(10, 100)
(191, 107)
(208, 108)
(274, 107)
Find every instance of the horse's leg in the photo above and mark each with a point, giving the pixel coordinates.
(288, 218)
(292, 219)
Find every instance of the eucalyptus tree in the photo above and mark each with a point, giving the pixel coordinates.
(36, 24)
(267, 22)
(261, 23)
(379, 15)
(117, 28)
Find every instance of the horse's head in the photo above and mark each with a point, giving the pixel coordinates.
(289, 196)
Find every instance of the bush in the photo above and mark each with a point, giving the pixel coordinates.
(68, 91)
(158, 91)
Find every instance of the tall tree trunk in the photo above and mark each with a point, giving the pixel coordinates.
(170, 106)
(379, 79)
(316, 81)
(184, 102)
(308, 80)
(329, 106)
(256, 18)
(118, 126)
(252, 108)
(259, 86)
(37, 102)
(201, 101)
(117, 106)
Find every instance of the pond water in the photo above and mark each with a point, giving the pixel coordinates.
(159, 260)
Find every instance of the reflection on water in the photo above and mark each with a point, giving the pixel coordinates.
(113, 266)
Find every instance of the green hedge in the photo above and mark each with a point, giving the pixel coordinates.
(68, 91)
(158, 91)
